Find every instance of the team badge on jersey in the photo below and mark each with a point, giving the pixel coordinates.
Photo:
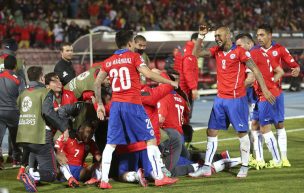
(232, 56)
(274, 53)
(247, 54)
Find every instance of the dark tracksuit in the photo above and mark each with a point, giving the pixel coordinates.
(10, 88)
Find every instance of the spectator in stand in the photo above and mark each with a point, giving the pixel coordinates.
(40, 36)
(64, 68)
(73, 32)
(59, 35)
(93, 9)
(24, 36)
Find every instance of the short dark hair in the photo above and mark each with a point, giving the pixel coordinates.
(48, 77)
(194, 36)
(244, 35)
(10, 62)
(140, 38)
(123, 37)
(266, 27)
(10, 44)
(64, 44)
(34, 73)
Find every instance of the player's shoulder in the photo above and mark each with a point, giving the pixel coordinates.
(255, 50)
(276, 45)
(240, 51)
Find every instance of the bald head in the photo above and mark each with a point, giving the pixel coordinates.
(223, 37)
(223, 29)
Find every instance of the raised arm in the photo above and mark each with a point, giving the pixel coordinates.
(198, 51)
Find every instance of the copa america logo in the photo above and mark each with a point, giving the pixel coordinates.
(26, 104)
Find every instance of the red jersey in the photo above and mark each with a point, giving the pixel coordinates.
(124, 77)
(150, 97)
(76, 151)
(66, 97)
(173, 107)
(279, 54)
(230, 71)
(189, 70)
(262, 60)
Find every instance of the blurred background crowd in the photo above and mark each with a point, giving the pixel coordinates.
(43, 23)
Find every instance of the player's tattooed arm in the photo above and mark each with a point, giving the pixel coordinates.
(198, 51)
(258, 76)
(97, 89)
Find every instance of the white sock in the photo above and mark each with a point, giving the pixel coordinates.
(271, 143)
(219, 165)
(155, 160)
(261, 143)
(34, 175)
(98, 173)
(131, 177)
(106, 162)
(195, 166)
(161, 163)
(257, 145)
(282, 141)
(65, 169)
(245, 149)
(211, 149)
(234, 161)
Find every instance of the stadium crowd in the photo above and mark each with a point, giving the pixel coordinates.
(44, 23)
